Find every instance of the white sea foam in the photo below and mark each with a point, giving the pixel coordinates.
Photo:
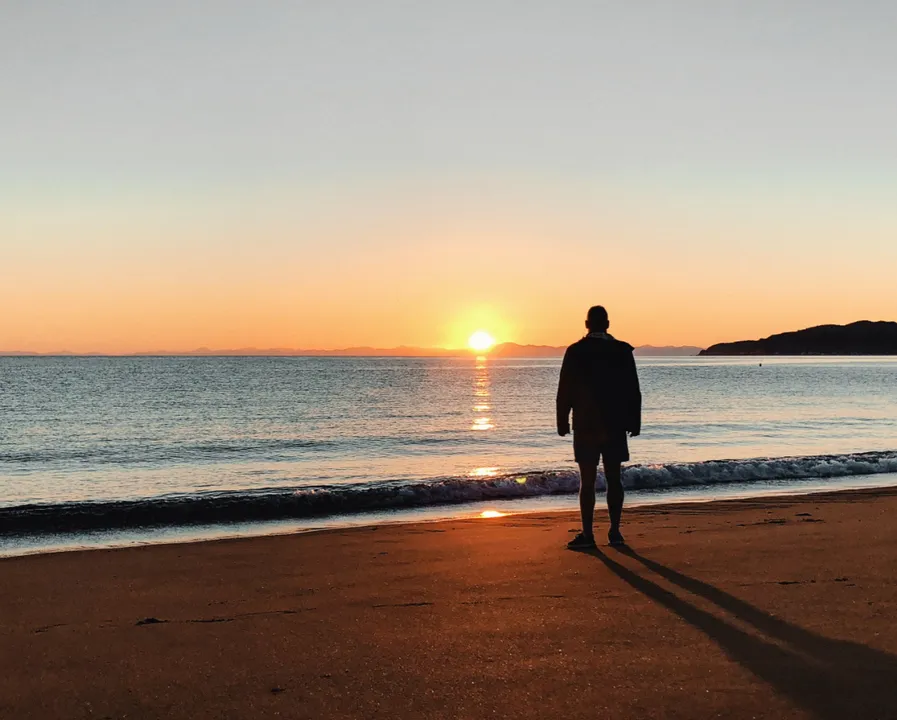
(320, 501)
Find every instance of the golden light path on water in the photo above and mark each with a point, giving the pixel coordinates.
(481, 421)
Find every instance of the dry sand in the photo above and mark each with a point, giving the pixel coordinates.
(739, 609)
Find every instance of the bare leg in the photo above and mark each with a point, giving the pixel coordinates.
(587, 474)
(613, 474)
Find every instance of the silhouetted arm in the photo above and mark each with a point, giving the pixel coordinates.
(565, 395)
(633, 397)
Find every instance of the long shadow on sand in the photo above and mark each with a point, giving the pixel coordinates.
(832, 679)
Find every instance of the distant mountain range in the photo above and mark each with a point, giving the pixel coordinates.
(515, 350)
(501, 350)
(859, 338)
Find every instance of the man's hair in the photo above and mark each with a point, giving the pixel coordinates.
(597, 318)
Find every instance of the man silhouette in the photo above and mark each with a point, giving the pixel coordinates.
(599, 383)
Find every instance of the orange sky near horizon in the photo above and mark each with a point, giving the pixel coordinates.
(275, 271)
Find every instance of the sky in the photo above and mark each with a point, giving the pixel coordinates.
(325, 174)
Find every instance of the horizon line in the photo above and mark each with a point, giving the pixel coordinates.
(353, 351)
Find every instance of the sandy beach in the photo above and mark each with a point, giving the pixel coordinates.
(737, 609)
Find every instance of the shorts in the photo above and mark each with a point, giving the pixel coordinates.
(589, 446)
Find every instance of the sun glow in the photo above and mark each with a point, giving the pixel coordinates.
(480, 341)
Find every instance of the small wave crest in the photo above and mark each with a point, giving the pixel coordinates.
(150, 453)
(321, 501)
(143, 453)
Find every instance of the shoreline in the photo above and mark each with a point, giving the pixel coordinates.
(750, 608)
(441, 514)
(313, 505)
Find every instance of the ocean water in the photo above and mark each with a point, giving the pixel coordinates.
(94, 449)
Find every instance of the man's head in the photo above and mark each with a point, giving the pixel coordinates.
(596, 320)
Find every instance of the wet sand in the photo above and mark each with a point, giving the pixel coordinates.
(738, 609)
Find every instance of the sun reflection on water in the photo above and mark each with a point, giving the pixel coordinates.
(484, 472)
(481, 393)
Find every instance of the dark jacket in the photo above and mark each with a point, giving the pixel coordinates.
(599, 383)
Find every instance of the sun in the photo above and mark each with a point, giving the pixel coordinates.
(480, 341)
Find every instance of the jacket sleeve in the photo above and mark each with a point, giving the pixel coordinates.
(633, 397)
(565, 393)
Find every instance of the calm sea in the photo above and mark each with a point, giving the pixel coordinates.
(116, 450)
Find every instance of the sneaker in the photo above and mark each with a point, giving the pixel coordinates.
(615, 538)
(582, 542)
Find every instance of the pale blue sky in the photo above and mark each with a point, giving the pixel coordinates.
(295, 88)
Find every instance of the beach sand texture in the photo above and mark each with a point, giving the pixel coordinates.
(737, 609)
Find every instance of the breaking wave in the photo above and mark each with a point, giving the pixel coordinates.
(319, 501)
